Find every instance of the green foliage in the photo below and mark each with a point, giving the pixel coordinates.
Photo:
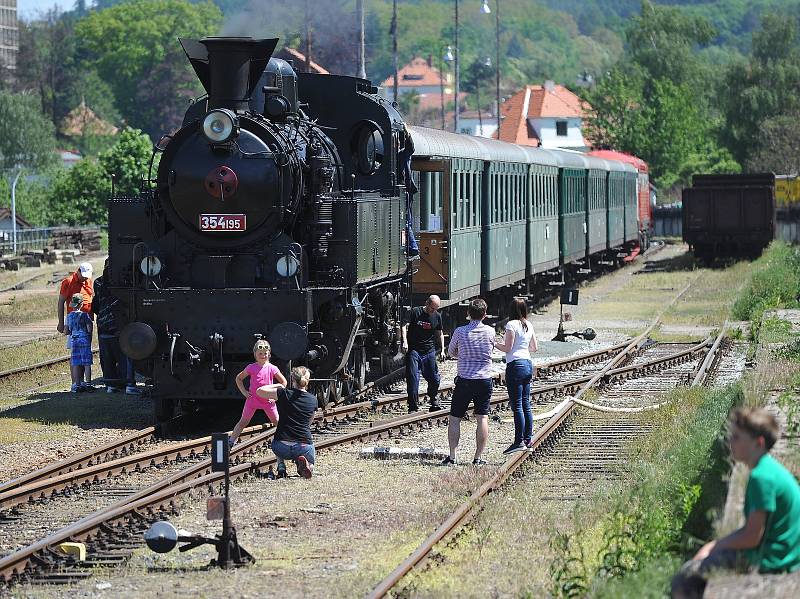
(133, 46)
(32, 196)
(774, 283)
(128, 160)
(766, 86)
(652, 103)
(569, 570)
(78, 195)
(664, 42)
(26, 137)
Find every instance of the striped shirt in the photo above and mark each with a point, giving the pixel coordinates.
(473, 344)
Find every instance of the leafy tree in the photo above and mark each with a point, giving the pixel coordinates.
(767, 86)
(26, 137)
(132, 45)
(128, 161)
(78, 195)
(664, 40)
(777, 146)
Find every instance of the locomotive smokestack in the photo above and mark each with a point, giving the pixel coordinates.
(229, 67)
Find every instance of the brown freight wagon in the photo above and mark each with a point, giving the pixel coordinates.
(729, 215)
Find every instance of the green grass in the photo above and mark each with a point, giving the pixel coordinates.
(57, 415)
(774, 283)
(22, 309)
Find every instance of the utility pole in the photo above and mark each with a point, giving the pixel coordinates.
(308, 36)
(394, 46)
(457, 71)
(362, 58)
(497, 62)
(14, 212)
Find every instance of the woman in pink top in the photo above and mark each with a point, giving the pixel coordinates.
(261, 373)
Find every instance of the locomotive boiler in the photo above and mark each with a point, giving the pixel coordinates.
(277, 211)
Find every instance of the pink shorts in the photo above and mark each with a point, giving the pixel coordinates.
(256, 403)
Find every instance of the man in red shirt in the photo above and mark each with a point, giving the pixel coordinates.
(78, 282)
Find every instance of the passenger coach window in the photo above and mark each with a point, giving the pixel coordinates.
(428, 201)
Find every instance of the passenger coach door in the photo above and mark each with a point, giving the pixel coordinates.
(431, 208)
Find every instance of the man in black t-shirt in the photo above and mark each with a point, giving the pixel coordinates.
(422, 335)
(296, 407)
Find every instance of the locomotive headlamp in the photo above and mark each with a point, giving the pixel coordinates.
(287, 265)
(220, 126)
(150, 266)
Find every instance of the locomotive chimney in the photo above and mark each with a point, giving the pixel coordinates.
(229, 67)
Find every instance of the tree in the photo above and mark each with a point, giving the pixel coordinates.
(766, 86)
(26, 137)
(130, 43)
(777, 146)
(128, 160)
(664, 42)
(78, 195)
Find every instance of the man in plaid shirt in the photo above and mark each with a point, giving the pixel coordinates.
(472, 345)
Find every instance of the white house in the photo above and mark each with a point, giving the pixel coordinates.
(546, 115)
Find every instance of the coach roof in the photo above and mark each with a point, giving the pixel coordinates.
(434, 142)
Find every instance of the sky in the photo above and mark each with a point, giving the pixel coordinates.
(28, 8)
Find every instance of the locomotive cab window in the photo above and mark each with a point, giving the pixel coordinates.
(368, 150)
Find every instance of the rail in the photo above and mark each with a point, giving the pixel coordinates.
(464, 511)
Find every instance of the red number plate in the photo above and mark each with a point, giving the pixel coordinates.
(223, 222)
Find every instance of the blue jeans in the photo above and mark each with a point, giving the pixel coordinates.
(117, 367)
(291, 450)
(416, 362)
(518, 381)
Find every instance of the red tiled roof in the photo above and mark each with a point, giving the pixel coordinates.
(416, 73)
(536, 101)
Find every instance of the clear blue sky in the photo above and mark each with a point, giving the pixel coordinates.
(28, 8)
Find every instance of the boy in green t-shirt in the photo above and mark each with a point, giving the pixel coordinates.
(770, 537)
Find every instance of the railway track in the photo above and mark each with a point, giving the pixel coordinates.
(598, 430)
(102, 466)
(37, 366)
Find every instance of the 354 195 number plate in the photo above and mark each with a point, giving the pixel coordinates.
(223, 222)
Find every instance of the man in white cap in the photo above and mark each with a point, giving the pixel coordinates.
(78, 282)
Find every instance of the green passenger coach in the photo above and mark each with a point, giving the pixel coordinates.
(572, 227)
(542, 217)
(596, 205)
(497, 219)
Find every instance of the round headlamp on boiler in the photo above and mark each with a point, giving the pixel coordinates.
(220, 126)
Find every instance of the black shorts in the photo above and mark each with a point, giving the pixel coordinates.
(478, 391)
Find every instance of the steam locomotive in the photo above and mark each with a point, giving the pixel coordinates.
(288, 207)
(274, 214)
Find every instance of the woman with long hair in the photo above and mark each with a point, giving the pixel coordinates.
(519, 342)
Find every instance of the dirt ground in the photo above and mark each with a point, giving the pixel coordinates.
(339, 533)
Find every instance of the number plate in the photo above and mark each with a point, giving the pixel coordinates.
(223, 222)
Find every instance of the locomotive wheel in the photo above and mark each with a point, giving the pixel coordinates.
(335, 390)
(359, 368)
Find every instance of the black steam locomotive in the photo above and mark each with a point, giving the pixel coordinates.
(277, 212)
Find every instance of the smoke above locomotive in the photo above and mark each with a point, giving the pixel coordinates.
(277, 212)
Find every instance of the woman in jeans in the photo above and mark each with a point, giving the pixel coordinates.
(519, 342)
(296, 407)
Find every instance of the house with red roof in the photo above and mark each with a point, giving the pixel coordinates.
(420, 76)
(548, 115)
